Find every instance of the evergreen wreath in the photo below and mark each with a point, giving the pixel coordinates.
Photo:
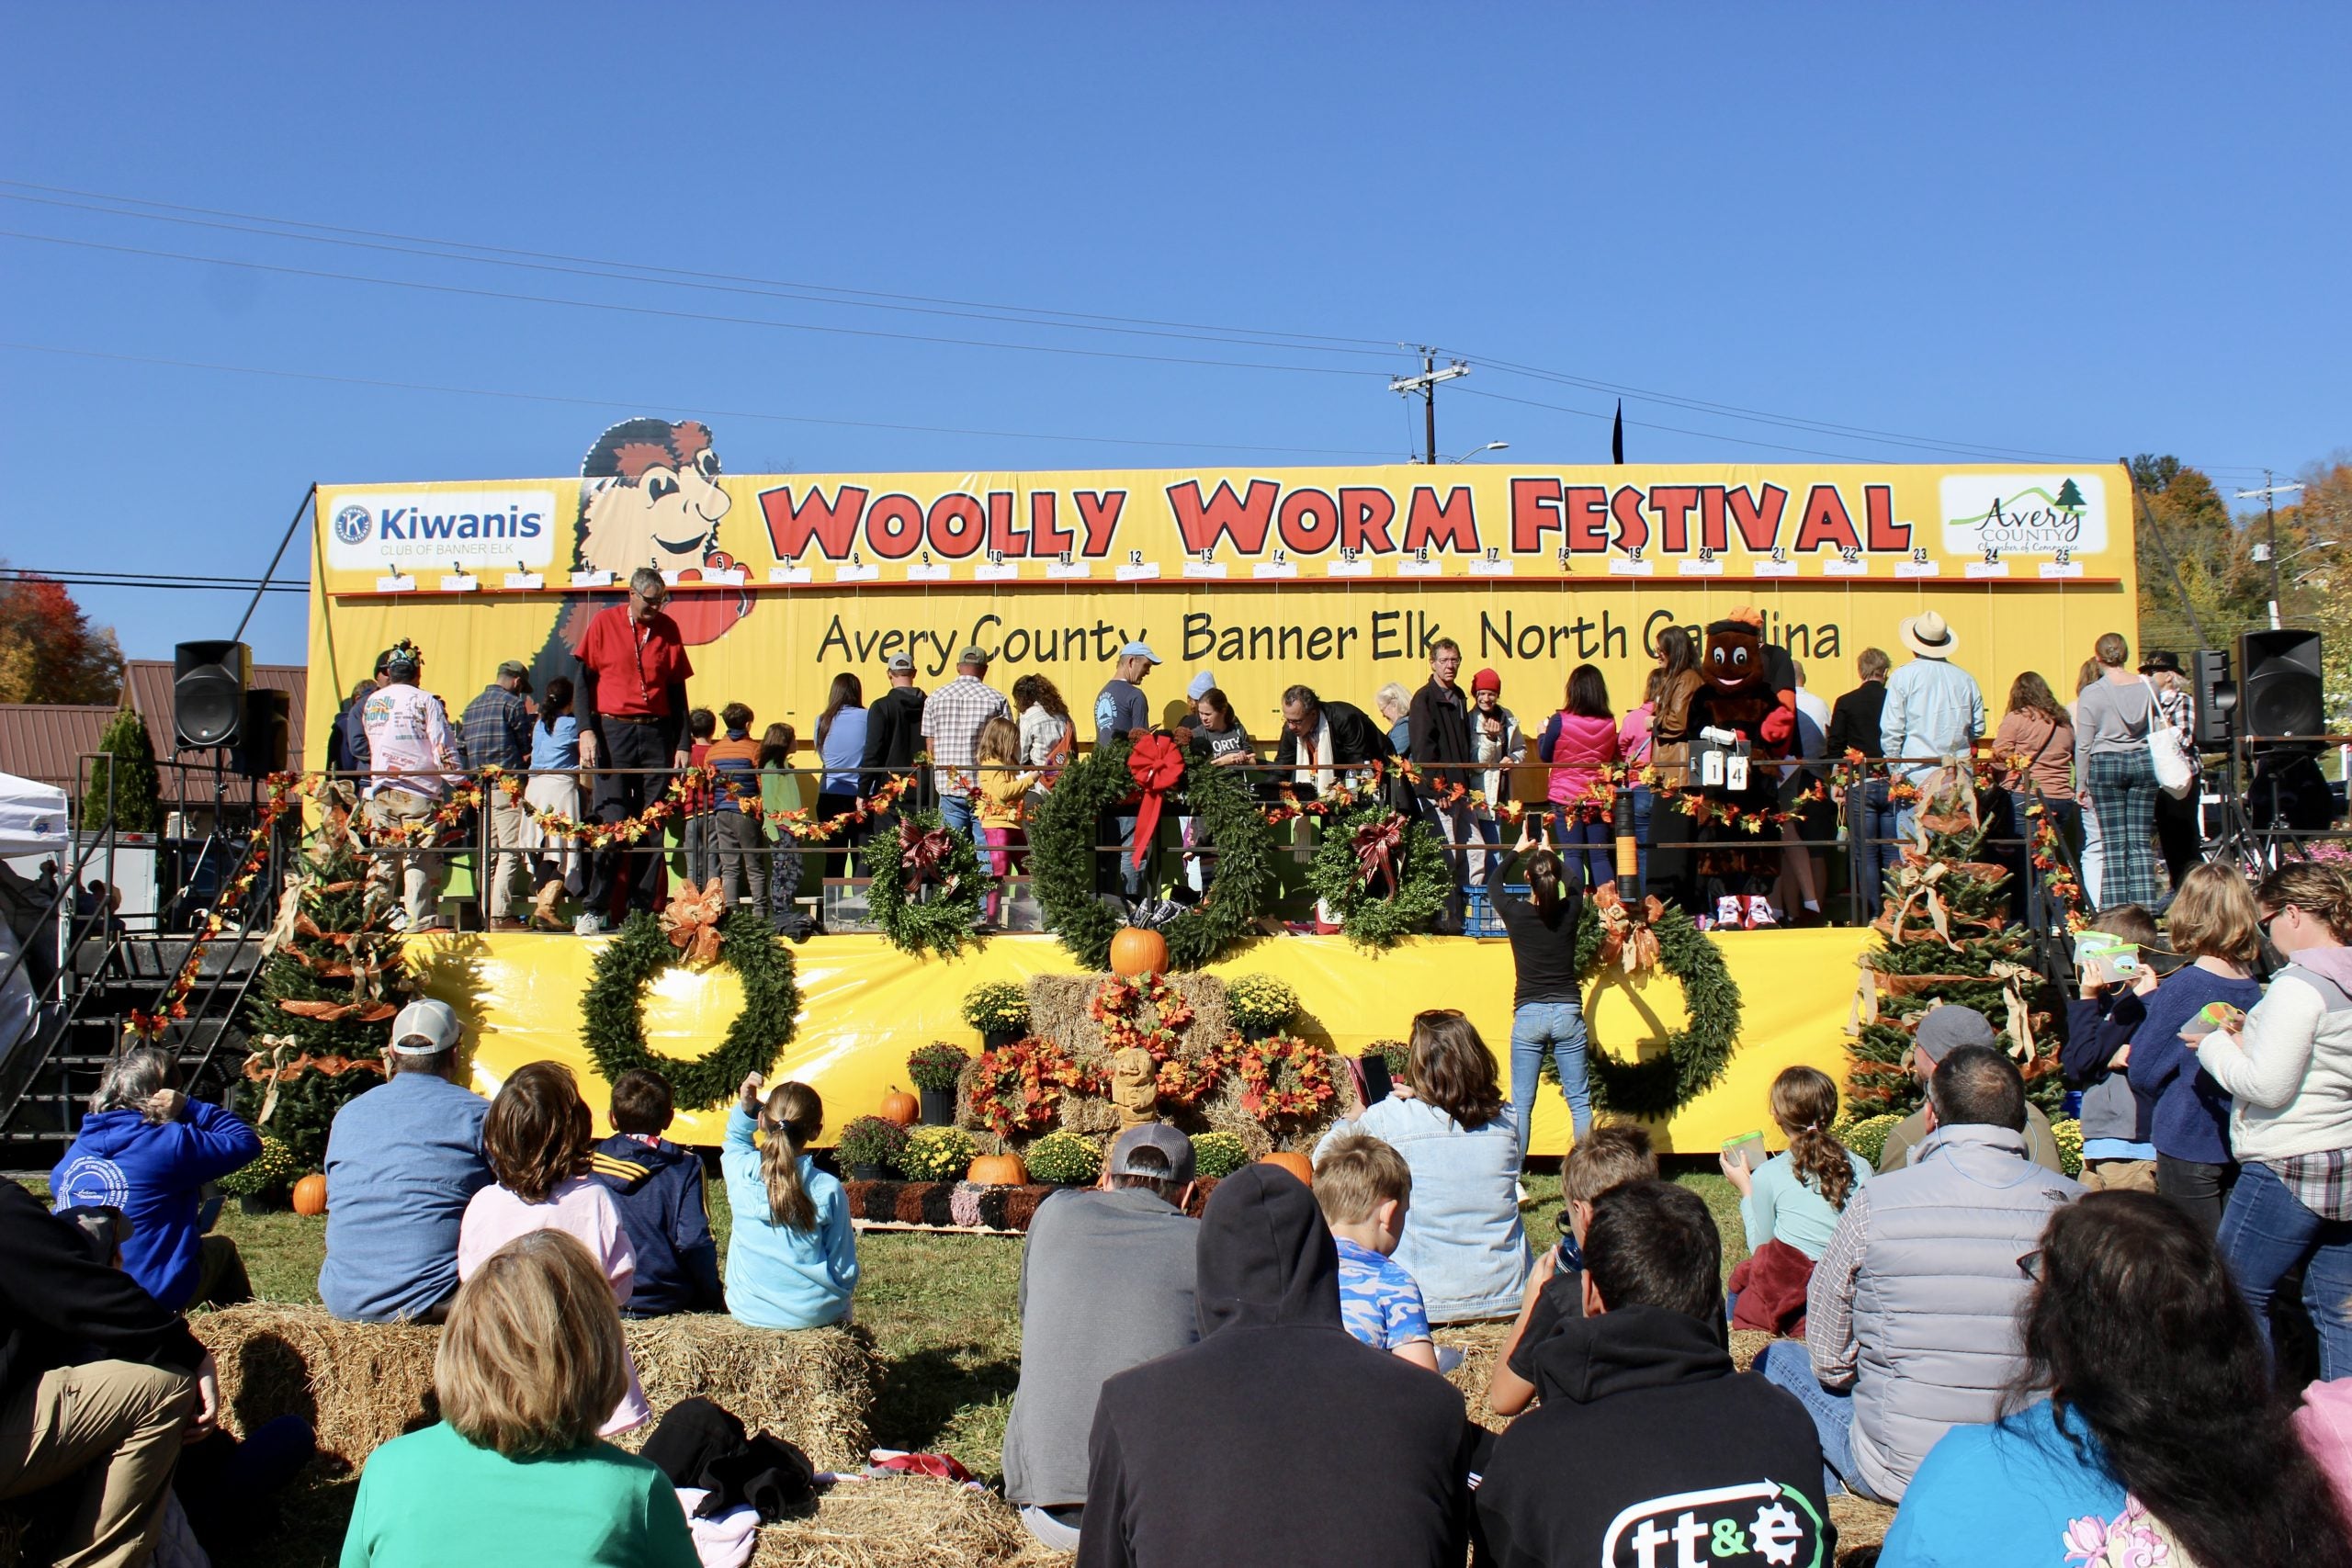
(613, 1010)
(1423, 874)
(1062, 859)
(1697, 1053)
(951, 916)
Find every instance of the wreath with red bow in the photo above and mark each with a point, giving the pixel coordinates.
(1384, 877)
(926, 895)
(1144, 781)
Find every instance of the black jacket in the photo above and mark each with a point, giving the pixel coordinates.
(1853, 721)
(1354, 738)
(1280, 1438)
(1439, 727)
(1645, 1431)
(659, 1189)
(893, 735)
(59, 1307)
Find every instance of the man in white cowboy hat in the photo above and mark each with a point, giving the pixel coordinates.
(1933, 707)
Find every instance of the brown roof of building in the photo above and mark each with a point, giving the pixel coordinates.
(42, 741)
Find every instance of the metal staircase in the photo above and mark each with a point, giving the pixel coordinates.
(103, 972)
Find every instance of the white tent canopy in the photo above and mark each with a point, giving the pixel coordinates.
(32, 819)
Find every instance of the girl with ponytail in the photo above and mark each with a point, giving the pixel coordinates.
(1547, 1008)
(792, 1258)
(2288, 1068)
(1795, 1198)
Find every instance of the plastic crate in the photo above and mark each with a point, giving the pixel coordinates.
(1478, 916)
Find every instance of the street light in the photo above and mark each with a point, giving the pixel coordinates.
(1489, 446)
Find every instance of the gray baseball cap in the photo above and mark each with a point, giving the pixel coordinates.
(425, 1028)
(1160, 1136)
(900, 664)
(1945, 1029)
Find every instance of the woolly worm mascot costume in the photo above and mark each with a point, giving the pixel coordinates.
(1737, 696)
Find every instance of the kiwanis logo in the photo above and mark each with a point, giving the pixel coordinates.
(352, 525)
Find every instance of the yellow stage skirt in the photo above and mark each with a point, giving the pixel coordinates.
(864, 1006)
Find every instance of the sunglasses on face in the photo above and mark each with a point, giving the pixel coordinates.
(2030, 1266)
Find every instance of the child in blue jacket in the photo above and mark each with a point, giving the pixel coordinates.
(658, 1188)
(147, 1149)
(2117, 1119)
(792, 1258)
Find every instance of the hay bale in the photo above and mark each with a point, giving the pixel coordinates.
(362, 1384)
(813, 1386)
(910, 1523)
(1860, 1524)
(359, 1385)
(1481, 1345)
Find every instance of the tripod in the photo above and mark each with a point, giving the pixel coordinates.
(2240, 844)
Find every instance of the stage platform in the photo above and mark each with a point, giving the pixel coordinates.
(865, 1006)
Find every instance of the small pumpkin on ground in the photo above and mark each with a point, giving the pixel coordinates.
(1297, 1164)
(310, 1195)
(998, 1170)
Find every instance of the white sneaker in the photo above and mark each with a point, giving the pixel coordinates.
(588, 925)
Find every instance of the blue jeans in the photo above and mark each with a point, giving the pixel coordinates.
(956, 815)
(2265, 1234)
(1871, 821)
(1785, 1364)
(1595, 859)
(1558, 1027)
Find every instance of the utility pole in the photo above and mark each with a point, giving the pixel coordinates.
(2270, 492)
(1426, 385)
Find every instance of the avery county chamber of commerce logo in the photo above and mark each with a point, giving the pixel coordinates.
(352, 523)
(2024, 514)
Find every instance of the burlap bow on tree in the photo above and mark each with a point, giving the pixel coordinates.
(1916, 879)
(2019, 1022)
(1157, 766)
(1627, 942)
(690, 920)
(1376, 844)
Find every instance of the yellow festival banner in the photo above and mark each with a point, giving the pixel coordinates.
(1338, 578)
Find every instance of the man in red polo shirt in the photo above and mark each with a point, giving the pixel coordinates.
(633, 675)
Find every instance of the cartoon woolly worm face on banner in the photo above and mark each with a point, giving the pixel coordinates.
(649, 496)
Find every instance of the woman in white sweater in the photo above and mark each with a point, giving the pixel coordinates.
(2288, 1069)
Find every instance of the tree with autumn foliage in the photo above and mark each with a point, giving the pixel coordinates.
(49, 651)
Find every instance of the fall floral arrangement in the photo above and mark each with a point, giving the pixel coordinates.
(1018, 1088)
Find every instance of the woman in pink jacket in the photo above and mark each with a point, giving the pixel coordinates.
(1580, 741)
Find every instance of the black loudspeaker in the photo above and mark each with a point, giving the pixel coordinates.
(2279, 688)
(265, 739)
(2217, 697)
(209, 693)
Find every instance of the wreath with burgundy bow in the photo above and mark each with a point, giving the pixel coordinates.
(926, 885)
(1156, 783)
(1385, 876)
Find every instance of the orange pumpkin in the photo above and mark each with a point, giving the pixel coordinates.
(1136, 951)
(998, 1170)
(310, 1195)
(901, 1108)
(1297, 1164)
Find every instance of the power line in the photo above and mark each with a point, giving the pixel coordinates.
(693, 408)
(1381, 343)
(1677, 430)
(617, 308)
(180, 582)
(1022, 315)
(610, 272)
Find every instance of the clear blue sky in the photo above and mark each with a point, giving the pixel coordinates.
(2072, 230)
